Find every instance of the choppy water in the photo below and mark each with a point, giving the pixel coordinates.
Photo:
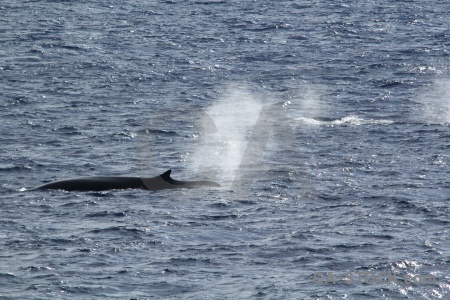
(351, 172)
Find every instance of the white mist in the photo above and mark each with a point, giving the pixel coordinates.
(227, 126)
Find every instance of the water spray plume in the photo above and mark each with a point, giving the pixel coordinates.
(228, 125)
(436, 103)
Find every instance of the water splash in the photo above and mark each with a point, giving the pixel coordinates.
(346, 121)
(307, 103)
(436, 103)
(310, 109)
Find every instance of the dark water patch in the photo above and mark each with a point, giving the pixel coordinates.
(247, 202)
(86, 250)
(220, 205)
(184, 224)
(119, 230)
(329, 197)
(298, 37)
(208, 2)
(379, 236)
(218, 217)
(406, 205)
(68, 130)
(388, 84)
(105, 194)
(74, 204)
(56, 242)
(101, 214)
(189, 261)
(161, 132)
(347, 247)
(12, 168)
(7, 276)
(438, 221)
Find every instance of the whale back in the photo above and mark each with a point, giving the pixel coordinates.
(94, 183)
(103, 183)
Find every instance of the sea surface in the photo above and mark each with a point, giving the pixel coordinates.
(327, 123)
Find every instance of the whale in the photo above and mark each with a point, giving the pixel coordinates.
(103, 183)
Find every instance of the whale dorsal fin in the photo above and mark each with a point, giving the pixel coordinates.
(166, 176)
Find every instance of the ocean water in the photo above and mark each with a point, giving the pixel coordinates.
(327, 123)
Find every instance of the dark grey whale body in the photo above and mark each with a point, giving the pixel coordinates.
(103, 183)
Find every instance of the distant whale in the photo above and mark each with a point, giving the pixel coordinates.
(103, 183)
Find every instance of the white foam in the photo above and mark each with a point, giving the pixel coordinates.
(346, 121)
